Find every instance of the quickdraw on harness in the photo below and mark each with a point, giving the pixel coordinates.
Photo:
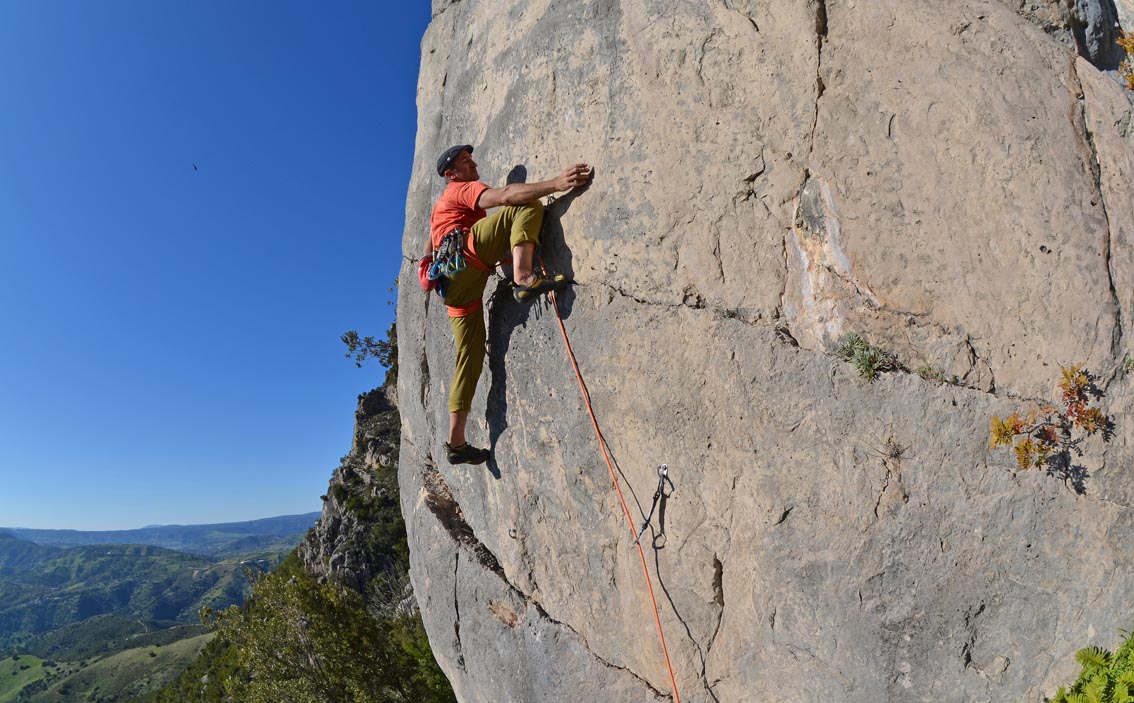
(660, 496)
(448, 257)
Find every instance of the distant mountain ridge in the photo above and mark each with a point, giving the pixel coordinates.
(215, 540)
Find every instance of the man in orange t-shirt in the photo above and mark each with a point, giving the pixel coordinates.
(487, 240)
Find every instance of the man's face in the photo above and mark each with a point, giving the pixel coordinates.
(463, 169)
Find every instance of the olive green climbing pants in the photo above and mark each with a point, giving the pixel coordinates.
(492, 238)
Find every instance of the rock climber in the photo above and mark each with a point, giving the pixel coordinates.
(484, 240)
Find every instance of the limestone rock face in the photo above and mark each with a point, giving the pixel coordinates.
(944, 178)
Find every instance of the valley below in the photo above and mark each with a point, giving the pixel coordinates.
(82, 620)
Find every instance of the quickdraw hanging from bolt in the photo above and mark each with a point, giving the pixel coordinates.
(659, 497)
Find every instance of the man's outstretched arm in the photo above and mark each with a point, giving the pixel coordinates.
(522, 193)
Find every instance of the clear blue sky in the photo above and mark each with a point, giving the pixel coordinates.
(169, 337)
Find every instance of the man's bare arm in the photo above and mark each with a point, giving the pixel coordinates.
(523, 193)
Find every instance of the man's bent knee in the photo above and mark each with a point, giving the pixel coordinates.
(527, 223)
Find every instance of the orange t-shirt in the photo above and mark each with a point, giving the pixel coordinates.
(456, 208)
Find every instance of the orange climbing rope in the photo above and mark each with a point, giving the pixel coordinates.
(614, 478)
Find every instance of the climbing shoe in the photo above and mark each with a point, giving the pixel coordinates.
(539, 286)
(466, 454)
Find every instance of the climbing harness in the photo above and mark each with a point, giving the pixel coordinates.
(453, 255)
(659, 497)
(618, 488)
(448, 257)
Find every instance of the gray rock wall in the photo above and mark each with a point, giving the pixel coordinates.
(944, 178)
(1088, 26)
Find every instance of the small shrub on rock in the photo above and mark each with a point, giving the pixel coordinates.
(1126, 69)
(1050, 436)
(935, 375)
(867, 359)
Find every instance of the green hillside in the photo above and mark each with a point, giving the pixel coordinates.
(114, 679)
(103, 635)
(204, 679)
(18, 554)
(17, 672)
(108, 622)
(142, 584)
(13, 593)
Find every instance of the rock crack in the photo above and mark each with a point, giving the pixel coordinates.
(440, 501)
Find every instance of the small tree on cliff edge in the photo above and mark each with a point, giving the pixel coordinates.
(365, 348)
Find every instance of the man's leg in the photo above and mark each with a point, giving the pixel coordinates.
(522, 260)
(524, 240)
(469, 337)
(457, 422)
(505, 229)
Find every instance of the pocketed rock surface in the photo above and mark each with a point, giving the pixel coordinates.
(949, 179)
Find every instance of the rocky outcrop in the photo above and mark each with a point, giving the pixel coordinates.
(341, 544)
(944, 178)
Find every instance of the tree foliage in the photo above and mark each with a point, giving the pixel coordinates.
(365, 348)
(302, 641)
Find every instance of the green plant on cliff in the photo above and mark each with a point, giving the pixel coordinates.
(1051, 435)
(867, 359)
(1105, 678)
(936, 375)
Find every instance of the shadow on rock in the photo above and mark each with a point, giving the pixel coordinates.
(554, 256)
(554, 253)
(505, 315)
(493, 467)
(1063, 467)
